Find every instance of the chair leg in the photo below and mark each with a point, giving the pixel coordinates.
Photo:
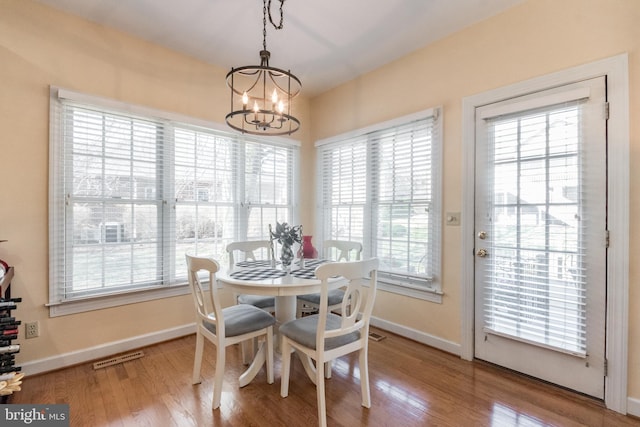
(285, 349)
(327, 369)
(322, 405)
(219, 375)
(245, 352)
(270, 355)
(299, 308)
(197, 361)
(364, 377)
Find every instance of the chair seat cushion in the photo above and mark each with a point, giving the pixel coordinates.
(335, 297)
(303, 331)
(242, 318)
(259, 301)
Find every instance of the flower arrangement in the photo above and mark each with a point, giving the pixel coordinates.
(286, 235)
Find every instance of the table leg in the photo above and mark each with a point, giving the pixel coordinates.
(253, 369)
(285, 309)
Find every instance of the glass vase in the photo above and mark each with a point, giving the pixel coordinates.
(286, 256)
(307, 251)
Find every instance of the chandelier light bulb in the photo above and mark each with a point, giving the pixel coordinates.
(245, 99)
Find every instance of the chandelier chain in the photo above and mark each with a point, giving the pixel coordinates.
(264, 24)
(280, 25)
(266, 8)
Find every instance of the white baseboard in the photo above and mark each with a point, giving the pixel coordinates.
(104, 350)
(109, 349)
(633, 406)
(421, 337)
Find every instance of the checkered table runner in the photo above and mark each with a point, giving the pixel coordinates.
(308, 272)
(258, 274)
(257, 263)
(305, 273)
(314, 262)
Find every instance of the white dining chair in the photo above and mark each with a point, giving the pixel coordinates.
(246, 251)
(326, 336)
(251, 251)
(334, 250)
(225, 326)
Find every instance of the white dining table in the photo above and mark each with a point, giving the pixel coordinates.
(261, 279)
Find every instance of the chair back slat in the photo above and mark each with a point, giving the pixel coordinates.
(342, 250)
(247, 251)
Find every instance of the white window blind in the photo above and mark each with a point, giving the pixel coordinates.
(132, 193)
(344, 190)
(269, 190)
(381, 187)
(536, 283)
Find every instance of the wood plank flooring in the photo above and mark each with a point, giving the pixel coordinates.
(411, 385)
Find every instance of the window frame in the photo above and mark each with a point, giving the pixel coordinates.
(431, 289)
(59, 222)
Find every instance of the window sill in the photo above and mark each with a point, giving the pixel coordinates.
(97, 303)
(423, 293)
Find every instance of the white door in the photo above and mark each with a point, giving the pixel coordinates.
(541, 242)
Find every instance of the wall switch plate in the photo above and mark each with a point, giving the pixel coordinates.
(453, 218)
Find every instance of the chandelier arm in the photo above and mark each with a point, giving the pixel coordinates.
(257, 70)
(258, 123)
(248, 71)
(288, 88)
(292, 122)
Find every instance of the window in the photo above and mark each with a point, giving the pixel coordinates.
(381, 186)
(131, 193)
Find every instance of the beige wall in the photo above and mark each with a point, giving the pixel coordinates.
(536, 38)
(41, 47)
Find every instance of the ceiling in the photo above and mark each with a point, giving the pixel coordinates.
(324, 43)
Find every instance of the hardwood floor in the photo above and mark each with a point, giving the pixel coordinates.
(411, 385)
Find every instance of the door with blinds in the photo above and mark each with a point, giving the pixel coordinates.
(541, 242)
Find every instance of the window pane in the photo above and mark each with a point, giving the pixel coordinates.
(537, 279)
(140, 193)
(379, 189)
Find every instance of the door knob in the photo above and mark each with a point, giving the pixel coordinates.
(482, 235)
(482, 252)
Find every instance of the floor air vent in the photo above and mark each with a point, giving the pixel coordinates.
(118, 359)
(376, 337)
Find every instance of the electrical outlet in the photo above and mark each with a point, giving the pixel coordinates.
(32, 329)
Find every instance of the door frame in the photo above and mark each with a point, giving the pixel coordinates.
(616, 69)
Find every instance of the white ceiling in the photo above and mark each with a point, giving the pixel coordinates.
(323, 42)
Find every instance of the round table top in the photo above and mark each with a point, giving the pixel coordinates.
(261, 280)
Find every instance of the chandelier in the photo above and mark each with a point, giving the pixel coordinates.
(261, 95)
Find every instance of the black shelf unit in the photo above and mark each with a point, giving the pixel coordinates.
(8, 329)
